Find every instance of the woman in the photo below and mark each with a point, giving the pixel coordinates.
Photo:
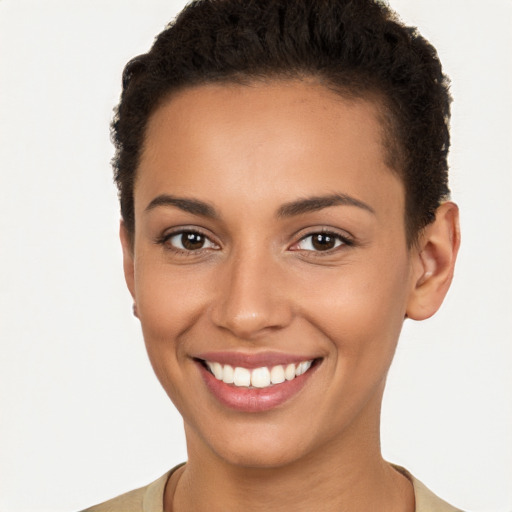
(283, 185)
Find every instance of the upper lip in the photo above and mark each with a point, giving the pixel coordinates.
(254, 360)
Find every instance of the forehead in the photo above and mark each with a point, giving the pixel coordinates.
(298, 108)
(283, 137)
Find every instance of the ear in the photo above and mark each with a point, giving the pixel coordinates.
(434, 261)
(128, 258)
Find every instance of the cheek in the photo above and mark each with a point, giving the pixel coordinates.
(360, 315)
(168, 298)
(169, 304)
(360, 308)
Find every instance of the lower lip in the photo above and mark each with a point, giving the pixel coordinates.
(254, 399)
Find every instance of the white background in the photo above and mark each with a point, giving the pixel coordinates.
(82, 418)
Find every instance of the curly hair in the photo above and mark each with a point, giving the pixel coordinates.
(358, 48)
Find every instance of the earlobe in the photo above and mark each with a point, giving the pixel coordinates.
(128, 258)
(434, 263)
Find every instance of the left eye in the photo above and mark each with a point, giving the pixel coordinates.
(320, 242)
(190, 241)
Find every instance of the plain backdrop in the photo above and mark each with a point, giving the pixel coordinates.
(82, 417)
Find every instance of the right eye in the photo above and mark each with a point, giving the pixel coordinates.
(189, 241)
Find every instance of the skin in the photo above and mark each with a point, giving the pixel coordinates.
(258, 285)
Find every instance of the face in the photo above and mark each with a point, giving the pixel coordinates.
(269, 233)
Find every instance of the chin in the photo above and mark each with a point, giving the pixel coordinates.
(258, 456)
(261, 446)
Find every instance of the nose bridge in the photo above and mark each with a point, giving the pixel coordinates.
(250, 297)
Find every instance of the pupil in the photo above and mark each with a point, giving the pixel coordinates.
(323, 242)
(192, 241)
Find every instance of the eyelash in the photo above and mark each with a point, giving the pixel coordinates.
(165, 241)
(340, 240)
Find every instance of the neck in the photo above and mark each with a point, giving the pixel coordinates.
(345, 474)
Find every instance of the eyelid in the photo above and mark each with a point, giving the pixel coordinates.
(169, 234)
(345, 238)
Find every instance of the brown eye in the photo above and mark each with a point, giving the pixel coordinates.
(190, 241)
(321, 242)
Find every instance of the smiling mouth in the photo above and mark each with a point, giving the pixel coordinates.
(260, 378)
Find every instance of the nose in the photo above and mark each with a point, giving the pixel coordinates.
(252, 297)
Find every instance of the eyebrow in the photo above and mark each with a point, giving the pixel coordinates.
(301, 206)
(313, 204)
(193, 206)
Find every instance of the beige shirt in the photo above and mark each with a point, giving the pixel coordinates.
(151, 498)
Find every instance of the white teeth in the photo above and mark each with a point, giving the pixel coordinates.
(228, 374)
(302, 368)
(216, 369)
(289, 372)
(277, 375)
(258, 377)
(241, 377)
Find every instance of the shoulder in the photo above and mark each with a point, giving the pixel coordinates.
(426, 500)
(144, 499)
(129, 502)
